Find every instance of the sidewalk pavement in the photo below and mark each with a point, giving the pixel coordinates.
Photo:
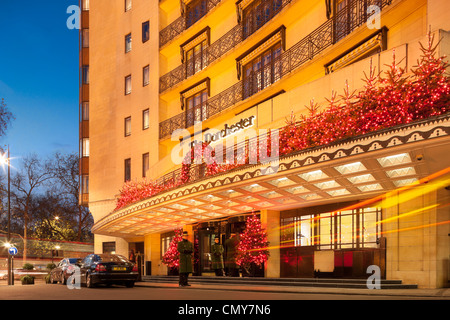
(443, 293)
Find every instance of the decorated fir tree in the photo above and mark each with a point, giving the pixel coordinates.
(253, 245)
(172, 257)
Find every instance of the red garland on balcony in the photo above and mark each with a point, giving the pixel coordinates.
(384, 102)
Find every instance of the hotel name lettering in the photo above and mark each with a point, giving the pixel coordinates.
(227, 130)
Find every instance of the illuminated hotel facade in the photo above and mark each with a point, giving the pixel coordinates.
(149, 68)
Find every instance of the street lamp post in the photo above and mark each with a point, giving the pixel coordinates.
(10, 275)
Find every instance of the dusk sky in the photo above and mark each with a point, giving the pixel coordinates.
(39, 76)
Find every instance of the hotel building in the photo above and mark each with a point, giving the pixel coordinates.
(149, 68)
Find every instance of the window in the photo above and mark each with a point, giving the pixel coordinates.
(127, 170)
(196, 58)
(127, 85)
(127, 126)
(195, 10)
(258, 13)
(145, 119)
(109, 247)
(196, 108)
(146, 31)
(145, 164)
(84, 184)
(85, 38)
(341, 22)
(85, 74)
(85, 111)
(146, 76)
(166, 239)
(85, 147)
(85, 5)
(127, 5)
(262, 71)
(128, 40)
(347, 229)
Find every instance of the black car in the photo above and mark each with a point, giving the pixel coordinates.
(64, 269)
(108, 269)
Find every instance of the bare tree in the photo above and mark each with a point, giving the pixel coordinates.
(32, 175)
(64, 169)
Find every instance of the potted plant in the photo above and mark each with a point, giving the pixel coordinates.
(27, 280)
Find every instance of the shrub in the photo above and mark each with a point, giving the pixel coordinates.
(28, 266)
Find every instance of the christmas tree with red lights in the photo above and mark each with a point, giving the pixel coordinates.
(172, 257)
(253, 245)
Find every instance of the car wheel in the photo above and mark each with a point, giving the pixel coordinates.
(129, 284)
(89, 283)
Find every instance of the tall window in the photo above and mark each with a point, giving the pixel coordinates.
(85, 38)
(85, 5)
(145, 31)
(84, 184)
(85, 111)
(258, 13)
(127, 126)
(145, 164)
(262, 71)
(343, 19)
(85, 74)
(145, 119)
(196, 108)
(146, 76)
(127, 170)
(127, 5)
(85, 147)
(195, 10)
(196, 58)
(128, 40)
(127, 84)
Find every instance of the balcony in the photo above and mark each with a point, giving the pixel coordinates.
(227, 42)
(332, 31)
(191, 15)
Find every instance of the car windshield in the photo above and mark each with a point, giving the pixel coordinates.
(111, 258)
(74, 260)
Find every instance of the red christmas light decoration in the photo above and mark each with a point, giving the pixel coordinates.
(171, 257)
(385, 101)
(253, 244)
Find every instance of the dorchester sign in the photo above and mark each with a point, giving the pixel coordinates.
(234, 138)
(229, 130)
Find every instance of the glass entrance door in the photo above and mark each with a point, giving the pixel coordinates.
(206, 240)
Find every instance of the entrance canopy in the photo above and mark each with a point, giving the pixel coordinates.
(354, 169)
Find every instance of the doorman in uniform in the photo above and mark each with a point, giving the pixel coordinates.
(217, 251)
(186, 249)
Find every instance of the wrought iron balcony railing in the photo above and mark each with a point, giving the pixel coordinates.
(329, 33)
(185, 21)
(224, 44)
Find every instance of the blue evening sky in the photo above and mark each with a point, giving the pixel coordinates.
(39, 76)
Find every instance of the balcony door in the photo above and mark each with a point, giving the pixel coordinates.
(196, 108)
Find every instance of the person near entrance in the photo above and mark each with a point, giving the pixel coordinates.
(217, 251)
(185, 248)
(231, 250)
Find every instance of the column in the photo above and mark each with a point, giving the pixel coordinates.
(270, 220)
